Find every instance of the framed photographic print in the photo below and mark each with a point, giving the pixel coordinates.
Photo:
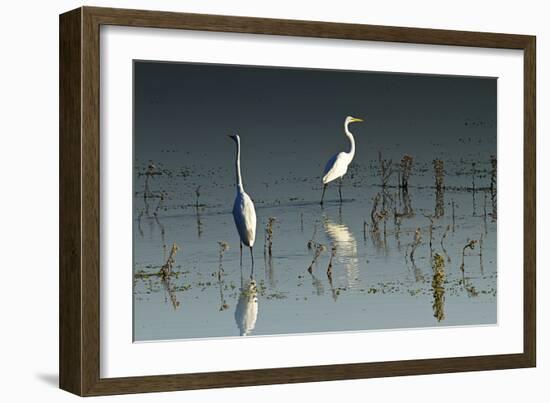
(249, 201)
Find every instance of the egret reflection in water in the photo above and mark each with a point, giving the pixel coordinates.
(246, 312)
(345, 243)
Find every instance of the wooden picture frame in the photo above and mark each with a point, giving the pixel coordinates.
(79, 348)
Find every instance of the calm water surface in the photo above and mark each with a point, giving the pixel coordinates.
(374, 284)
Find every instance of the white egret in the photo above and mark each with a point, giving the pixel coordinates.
(244, 213)
(337, 166)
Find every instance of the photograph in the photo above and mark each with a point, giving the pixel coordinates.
(271, 200)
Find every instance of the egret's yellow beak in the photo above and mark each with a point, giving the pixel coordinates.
(357, 120)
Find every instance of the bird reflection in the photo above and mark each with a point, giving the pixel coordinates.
(246, 312)
(345, 244)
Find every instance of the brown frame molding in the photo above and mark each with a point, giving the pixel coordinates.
(79, 201)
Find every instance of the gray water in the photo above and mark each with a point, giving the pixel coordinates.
(374, 284)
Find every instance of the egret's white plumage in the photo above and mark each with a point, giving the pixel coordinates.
(337, 165)
(244, 213)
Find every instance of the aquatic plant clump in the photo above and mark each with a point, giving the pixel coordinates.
(438, 281)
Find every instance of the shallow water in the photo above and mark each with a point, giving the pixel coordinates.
(374, 284)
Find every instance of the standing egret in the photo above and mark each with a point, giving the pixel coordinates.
(337, 166)
(244, 213)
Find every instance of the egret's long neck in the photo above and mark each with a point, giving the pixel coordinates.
(238, 178)
(351, 140)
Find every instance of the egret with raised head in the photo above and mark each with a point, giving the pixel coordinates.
(337, 166)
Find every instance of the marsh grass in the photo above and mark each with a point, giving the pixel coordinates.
(442, 242)
(438, 287)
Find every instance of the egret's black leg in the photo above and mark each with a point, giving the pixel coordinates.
(340, 188)
(241, 245)
(323, 195)
(252, 258)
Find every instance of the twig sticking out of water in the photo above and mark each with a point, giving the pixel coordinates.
(223, 247)
(319, 248)
(453, 208)
(329, 268)
(416, 242)
(166, 269)
(269, 235)
(406, 168)
(438, 282)
(302, 222)
(443, 237)
(199, 222)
